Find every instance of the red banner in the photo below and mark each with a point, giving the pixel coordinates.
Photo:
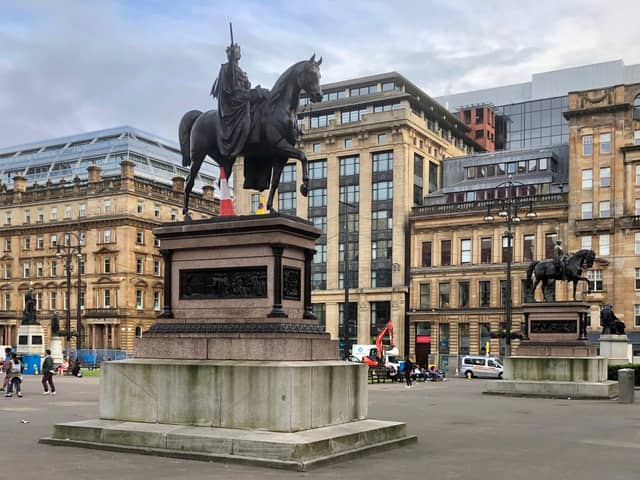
(423, 338)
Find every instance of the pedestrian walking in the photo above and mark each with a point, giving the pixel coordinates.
(408, 367)
(47, 374)
(15, 376)
(5, 368)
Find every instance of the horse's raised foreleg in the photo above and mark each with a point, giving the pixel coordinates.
(287, 150)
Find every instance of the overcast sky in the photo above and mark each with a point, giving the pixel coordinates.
(69, 66)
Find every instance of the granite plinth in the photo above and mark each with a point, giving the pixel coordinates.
(296, 451)
(576, 348)
(616, 348)
(275, 396)
(30, 340)
(553, 389)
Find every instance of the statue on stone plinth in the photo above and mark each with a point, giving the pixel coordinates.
(29, 314)
(255, 123)
(611, 324)
(562, 267)
(55, 325)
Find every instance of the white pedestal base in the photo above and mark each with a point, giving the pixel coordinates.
(56, 350)
(616, 348)
(30, 340)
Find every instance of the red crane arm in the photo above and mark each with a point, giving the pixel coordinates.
(387, 328)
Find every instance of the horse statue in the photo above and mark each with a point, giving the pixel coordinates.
(276, 120)
(611, 325)
(547, 271)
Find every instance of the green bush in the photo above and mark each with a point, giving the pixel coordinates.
(613, 371)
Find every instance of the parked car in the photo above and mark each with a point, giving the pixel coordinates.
(481, 366)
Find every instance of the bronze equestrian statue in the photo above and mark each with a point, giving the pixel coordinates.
(564, 267)
(255, 123)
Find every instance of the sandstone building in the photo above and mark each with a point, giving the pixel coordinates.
(108, 189)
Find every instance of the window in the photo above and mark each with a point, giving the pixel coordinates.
(381, 249)
(320, 311)
(425, 296)
(479, 134)
(382, 139)
(549, 243)
(67, 211)
(318, 170)
(349, 166)
(287, 200)
(140, 237)
(505, 248)
(587, 145)
(54, 240)
(139, 299)
(106, 264)
(319, 280)
(388, 86)
(39, 269)
(156, 268)
(604, 245)
(485, 293)
(156, 211)
(637, 278)
(354, 115)
(382, 191)
(587, 212)
(139, 265)
(7, 218)
(7, 271)
(54, 268)
(106, 236)
(40, 243)
(40, 218)
(637, 174)
(318, 197)
(445, 252)
(107, 299)
(53, 300)
(636, 137)
(368, 90)
(321, 120)
(7, 301)
(25, 270)
(381, 220)
(380, 315)
(465, 251)
(605, 209)
(382, 161)
(107, 206)
(426, 254)
(463, 294)
(586, 243)
(320, 256)
(255, 202)
(82, 265)
(636, 315)
(316, 148)
(174, 214)
(485, 249)
(605, 143)
(288, 174)
(587, 179)
(605, 177)
(54, 213)
(443, 292)
(319, 222)
(350, 193)
(140, 206)
(595, 280)
(637, 243)
(156, 301)
(26, 244)
(637, 211)
(348, 143)
(27, 216)
(156, 242)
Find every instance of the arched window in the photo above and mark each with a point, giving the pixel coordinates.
(138, 332)
(636, 108)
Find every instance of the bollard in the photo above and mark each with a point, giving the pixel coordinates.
(625, 385)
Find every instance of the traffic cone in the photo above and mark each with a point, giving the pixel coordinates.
(261, 210)
(226, 204)
(457, 374)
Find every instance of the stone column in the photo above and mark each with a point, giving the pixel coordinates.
(166, 311)
(308, 310)
(277, 310)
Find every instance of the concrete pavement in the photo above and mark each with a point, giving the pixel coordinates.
(462, 435)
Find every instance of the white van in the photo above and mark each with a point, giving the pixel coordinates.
(481, 366)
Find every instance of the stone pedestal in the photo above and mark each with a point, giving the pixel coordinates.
(616, 348)
(30, 340)
(236, 367)
(555, 359)
(56, 350)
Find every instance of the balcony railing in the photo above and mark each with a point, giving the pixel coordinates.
(549, 199)
(103, 312)
(595, 225)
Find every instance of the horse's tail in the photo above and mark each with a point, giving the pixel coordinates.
(532, 266)
(184, 134)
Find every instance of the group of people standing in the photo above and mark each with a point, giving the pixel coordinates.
(12, 369)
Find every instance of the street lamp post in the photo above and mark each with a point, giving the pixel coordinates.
(345, 311)
(509, 211)
(68, 251)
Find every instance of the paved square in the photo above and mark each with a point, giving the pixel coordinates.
(461, 434)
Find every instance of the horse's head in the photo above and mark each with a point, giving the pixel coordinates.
(309, 78)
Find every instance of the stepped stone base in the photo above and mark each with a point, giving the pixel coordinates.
(295, 451)
(550, 389)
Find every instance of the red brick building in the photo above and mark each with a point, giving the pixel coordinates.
(482, 121)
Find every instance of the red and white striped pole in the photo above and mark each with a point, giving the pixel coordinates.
(226, 204)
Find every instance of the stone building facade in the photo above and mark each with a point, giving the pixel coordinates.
(604, 196)
(376, 144)
(109, 205)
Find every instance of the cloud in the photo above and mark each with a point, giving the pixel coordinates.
(71, 66)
